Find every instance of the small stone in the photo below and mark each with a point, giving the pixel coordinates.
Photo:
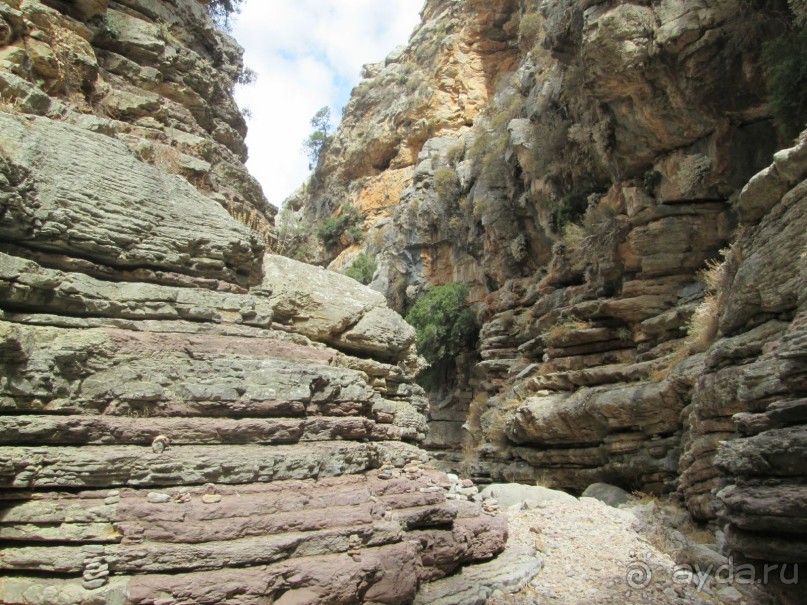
(467, 483)
(211, 498)
(157, 498)
(112, 493)
(96, 575)
(93, 584)
(385, 476)
(729, 594)
(160, 444)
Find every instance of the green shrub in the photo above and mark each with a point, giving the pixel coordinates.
(447, 184)
(568, 210)
(785, 59)
(489, 148)
(331, 229)
(596, 239)
(528, 30)
(444, 323)
(455, 153)
(362, 269)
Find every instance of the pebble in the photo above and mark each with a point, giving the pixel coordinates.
(385, 476)
(211, 498)
(729, 594)
(93, 584)
(157, 498)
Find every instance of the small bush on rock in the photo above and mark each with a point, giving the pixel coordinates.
(447, 184)
(445, 324)
(362, 269)
(349, 223)
(528, 30)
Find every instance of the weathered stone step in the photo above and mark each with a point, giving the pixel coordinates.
(255, 408)
(109, 430)
(386, 573)
(62, 532)
(110, 466)
(774, 453)
(191, 516)
(476, 538)
(125, 372)
(593, 348)
(255, 498)
(509, 572)
(160, 557)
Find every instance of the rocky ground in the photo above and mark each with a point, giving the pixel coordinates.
(594, 553)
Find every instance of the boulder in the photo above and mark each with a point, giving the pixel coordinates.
(508, 494)
(610, 494)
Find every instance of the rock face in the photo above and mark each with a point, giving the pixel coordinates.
(184, 419)
(156, 77)
(636, 261)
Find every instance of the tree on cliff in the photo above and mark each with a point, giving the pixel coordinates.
(221, 10)
(444, 323)
(316, 141)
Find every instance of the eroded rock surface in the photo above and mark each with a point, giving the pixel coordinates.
(184, 419)
(630, 237)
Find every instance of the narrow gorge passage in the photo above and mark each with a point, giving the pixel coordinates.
(533, 331)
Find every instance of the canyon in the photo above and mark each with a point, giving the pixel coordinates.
(186, 417)
(609, 181)
(191, 414)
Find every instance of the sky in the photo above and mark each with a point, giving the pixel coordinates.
(307, 54)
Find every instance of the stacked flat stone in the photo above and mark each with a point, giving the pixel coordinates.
(185, 419)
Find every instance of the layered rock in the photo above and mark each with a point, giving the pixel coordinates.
(154, 76)
(189, 444)
(748, 408)
(637, 270)
(183, 418)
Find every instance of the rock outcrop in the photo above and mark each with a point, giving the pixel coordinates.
(184, 419)
(156, 77)
(637, 270)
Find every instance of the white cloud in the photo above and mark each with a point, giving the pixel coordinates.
(307, 54)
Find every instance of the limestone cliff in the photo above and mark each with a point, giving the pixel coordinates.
(580, 165)
(157, 76)
(184, 419)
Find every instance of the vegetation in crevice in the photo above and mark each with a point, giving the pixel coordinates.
(362, 269)
(345, 228)
(785, 59)
(446, 326)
